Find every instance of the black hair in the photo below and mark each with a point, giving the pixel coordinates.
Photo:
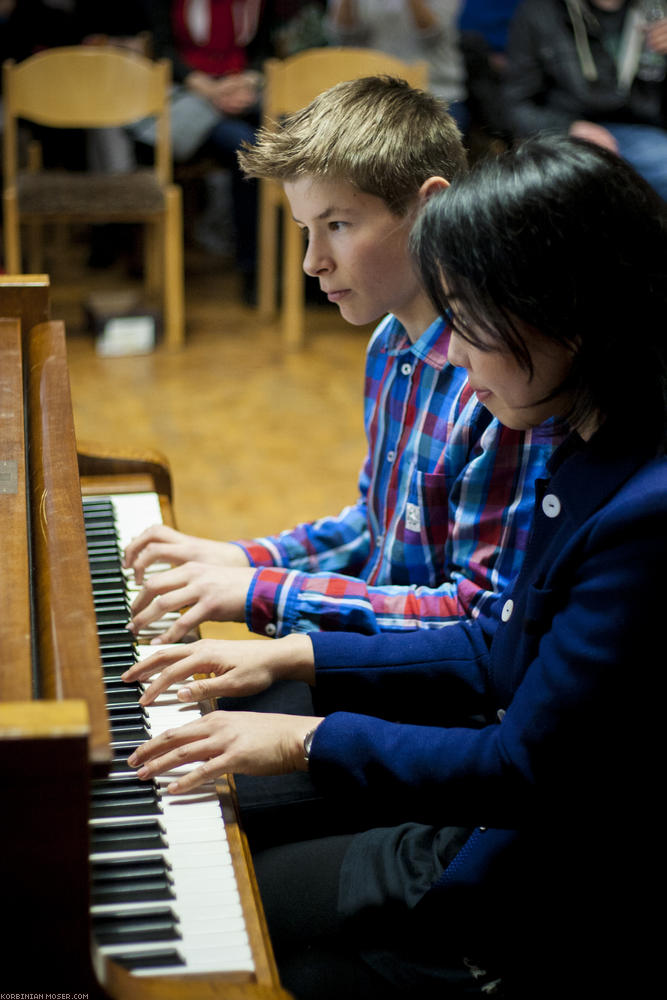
(563, 237)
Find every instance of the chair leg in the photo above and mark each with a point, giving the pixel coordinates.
(35, 247)
(293, 310)
(174, 309)
(268, 248)
(12, 235)
(154, 262)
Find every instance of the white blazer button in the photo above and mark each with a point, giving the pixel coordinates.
(551, 505)
(270, 629)
(508, 608)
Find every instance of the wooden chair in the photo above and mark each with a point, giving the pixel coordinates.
(95, 87)
(291, 84)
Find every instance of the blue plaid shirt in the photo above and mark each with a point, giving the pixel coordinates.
(442, 517)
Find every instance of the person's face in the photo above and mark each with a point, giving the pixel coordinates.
(503, 386)
(358, 250)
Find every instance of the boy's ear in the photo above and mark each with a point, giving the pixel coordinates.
(430, 186)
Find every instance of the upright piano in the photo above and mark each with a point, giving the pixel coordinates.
(111, 889)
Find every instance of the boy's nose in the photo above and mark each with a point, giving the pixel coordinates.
(316, 261)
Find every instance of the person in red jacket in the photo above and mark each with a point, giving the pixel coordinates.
(206, 41)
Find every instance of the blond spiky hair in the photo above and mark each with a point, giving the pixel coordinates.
(377, 133)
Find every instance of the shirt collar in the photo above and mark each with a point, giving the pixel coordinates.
(431, 347)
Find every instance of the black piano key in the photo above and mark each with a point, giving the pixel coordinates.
(100, 530)
(101, 545)
(109, 583)
(120, 766)
(125, 927)
(115, 684)
(112, 681)
(107, 787)
(169, 958)
(116, 869)
(118, 723)
(107, 604)
(119, 657)
(101, 565)
(130, 734)
(125, 747)
(139, 835)
(141, 890)
(98, 519)
(111, 618)
(117, 697)
(126, 807)
(126, 718)
(115, 637)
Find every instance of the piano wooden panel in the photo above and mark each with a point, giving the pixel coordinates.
(70, 665)
(25, 297)
(15, 683)
(44, 775)
(53, 741)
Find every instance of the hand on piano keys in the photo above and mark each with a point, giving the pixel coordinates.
(225, 742)
(161, 544)
(207, 593)
(240, 668)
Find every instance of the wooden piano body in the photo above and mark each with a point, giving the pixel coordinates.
(54, 733)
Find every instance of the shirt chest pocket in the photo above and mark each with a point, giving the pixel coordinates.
(426, 514)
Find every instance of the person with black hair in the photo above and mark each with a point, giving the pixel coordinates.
(503, 843)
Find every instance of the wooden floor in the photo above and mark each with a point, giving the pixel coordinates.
(257, 440)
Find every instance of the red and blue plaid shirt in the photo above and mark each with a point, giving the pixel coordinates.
(443, 514)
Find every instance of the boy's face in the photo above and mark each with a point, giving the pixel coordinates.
(358, 250)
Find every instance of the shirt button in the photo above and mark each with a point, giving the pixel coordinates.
(270, 629)
(391, 455)
(551, 505)
(406, 369)
(378, 540)
(508, 608)
(501, 714)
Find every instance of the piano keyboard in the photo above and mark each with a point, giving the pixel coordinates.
(164, 897)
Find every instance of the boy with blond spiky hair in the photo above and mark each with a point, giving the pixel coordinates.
(445, 493)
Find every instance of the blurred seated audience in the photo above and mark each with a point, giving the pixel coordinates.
(410, 30)
(206, 41)
(483, 27)
(287, 27)
(596, 69)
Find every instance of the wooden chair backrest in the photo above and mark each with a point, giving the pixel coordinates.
(292, 83)
(86, 86)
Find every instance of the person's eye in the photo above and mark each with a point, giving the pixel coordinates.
(337, 226)
(471, 333)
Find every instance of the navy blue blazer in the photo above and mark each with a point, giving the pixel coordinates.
(537, 728)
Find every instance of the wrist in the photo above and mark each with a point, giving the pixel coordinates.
(294, 658)
(303, 760)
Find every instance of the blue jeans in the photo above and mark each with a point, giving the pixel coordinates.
(645, 148)
(223, 143)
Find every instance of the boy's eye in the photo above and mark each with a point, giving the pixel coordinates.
(336, 226)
